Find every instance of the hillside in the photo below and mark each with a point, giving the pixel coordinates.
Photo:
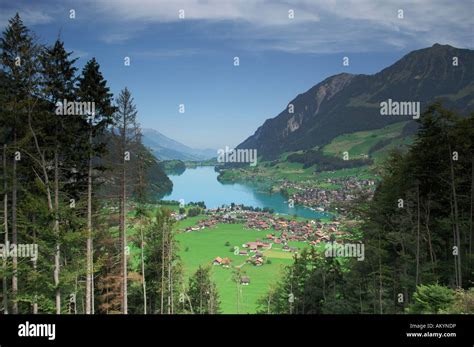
(374, 144)
(347, 103)
(165, 148)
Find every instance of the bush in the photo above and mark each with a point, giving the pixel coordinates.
(431, 299)
(194, 211)
(463, 302)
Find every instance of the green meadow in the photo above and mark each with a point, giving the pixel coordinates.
(201, 247)
(359, 143)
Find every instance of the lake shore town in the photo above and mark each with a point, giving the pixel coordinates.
(281, 229)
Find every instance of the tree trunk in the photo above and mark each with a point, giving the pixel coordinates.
(46, 182)
(92, 282)
(417, 277)
(35, 261)
(471, 215)
(171, 278)
(430, 243)
(405, 273)
(143, 270)
(123, 234)
(163, 268)
(14, 232)
(380, 281)
(456, 221)
(56, 233)
(456, 277)
(170, 299)
(5, 228)
(89, 287)
(200, 293)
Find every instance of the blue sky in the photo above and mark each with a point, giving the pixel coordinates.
(190, 61)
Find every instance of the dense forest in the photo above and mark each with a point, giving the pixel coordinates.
(75, 176)
(417, 231)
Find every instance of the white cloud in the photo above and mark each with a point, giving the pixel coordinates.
(318, 26)
(257, 12)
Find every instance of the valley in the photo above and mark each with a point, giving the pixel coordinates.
(305, 185)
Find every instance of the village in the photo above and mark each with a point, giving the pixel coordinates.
(282, 230)
(310, 231)
(323, 199)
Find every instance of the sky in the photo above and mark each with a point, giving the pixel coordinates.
(284, 48)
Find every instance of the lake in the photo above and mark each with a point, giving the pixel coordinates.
(201, 184)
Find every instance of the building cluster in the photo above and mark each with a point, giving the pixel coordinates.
(344, 190)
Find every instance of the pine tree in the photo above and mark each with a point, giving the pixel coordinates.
(125, 119)
(19, 62)
(59, 85)
(93, 88)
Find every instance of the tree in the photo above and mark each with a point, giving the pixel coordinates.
(49, 160)
(20, 64)
(58, 73)
(93, 88)
(202, 292)
(125, 121)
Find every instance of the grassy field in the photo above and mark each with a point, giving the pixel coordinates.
(201, 247)
(359, 143)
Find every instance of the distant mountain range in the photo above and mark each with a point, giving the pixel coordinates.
(347, 103)
(165, 148)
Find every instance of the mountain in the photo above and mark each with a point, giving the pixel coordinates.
(165, 148)
(346, 103)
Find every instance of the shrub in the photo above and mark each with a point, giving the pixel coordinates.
(431, 299)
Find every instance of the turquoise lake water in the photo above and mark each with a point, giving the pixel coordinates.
(201, 184)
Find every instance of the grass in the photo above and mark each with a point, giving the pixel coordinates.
(189, 221)
(382, 154)
(201, 247)
(359, 143)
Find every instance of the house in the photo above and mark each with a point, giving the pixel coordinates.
(258, 254)
(285, 248)
(226, 262)
(217, 261)
(244, 280)
(243, 252)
